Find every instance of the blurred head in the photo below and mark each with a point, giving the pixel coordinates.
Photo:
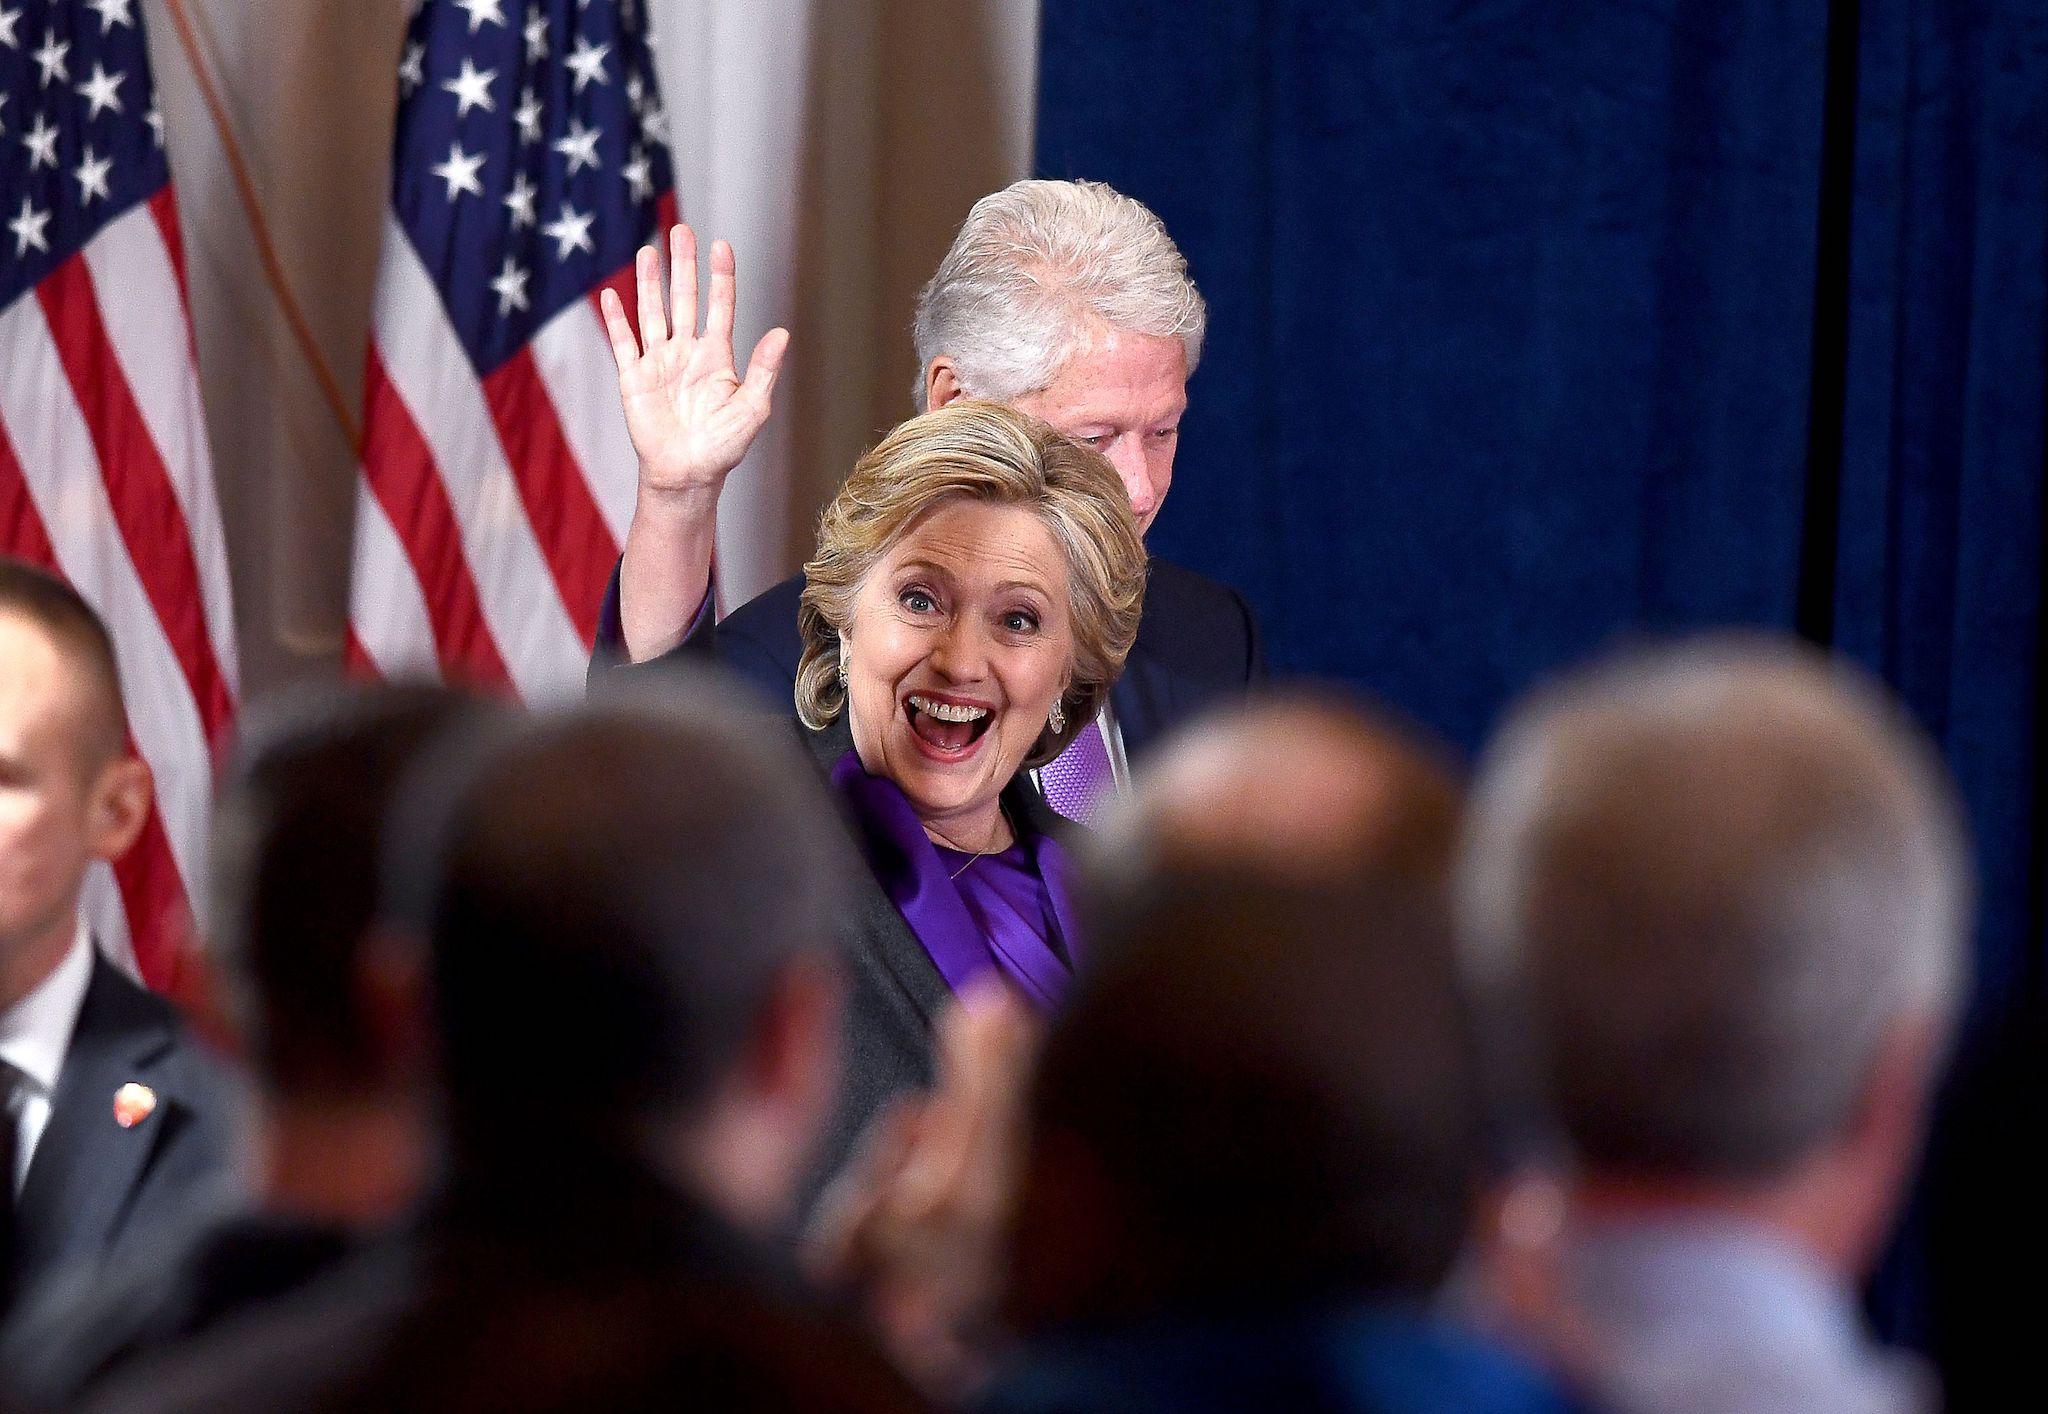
(1263, 1089)
(975, 569)
(300, 821)
(628, 907)
(71, 790)
(1069, 301)
(1731, 878)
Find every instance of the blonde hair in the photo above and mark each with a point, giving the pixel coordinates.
(979, 451)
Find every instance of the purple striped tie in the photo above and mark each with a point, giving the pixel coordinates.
(1078, 782)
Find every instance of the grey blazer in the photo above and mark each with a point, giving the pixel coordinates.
(895, 992)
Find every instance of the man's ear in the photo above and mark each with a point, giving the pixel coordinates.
(118, 807)
(941, 382)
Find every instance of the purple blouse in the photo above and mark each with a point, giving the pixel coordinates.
(1010, 911)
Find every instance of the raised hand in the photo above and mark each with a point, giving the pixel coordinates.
(690, 414)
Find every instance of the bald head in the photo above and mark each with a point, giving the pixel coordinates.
(1300, 789)
(1724, 871)
(1266, 1064)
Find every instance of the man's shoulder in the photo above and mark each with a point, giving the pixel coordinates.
(1200, 625)
(121, 1013)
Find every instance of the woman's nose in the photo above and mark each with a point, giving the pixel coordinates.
(961, 652)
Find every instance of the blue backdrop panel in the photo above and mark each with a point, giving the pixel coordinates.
(1512, 311)
(1537, 324)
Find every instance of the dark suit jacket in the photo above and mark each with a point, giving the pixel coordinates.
(96, 1188)
(895, 991)
(589, 1287)
(1197, 646)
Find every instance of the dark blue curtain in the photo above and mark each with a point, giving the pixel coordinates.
(1537, 324)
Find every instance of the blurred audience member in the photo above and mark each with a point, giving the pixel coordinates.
(113, 1123)
(628, 913)
(339, 1136)
(1730, 879)
(1254, 1142)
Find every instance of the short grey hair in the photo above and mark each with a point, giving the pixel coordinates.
(1718, 875)
(1033, 265)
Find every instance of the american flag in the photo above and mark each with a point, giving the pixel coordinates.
(497, 477)
(104, 470)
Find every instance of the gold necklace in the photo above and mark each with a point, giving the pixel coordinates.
(1002, 818)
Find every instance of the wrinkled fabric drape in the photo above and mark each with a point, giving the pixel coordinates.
(1538, 326)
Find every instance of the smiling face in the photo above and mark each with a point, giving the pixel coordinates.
(1122, 394)
(960, 643)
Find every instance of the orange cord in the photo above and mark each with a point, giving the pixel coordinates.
(259, 231)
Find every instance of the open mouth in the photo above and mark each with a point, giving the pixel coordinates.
(948, 728)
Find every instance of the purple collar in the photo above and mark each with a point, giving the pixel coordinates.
(913, 876)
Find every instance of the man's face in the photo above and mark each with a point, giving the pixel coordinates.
(52, 821)
(1122, 394)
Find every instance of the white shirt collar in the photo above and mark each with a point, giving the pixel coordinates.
(35, 1032)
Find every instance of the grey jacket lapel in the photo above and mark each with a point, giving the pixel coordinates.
(87, 1166)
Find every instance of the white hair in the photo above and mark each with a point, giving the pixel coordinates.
(1723, 872)
(1036, 264)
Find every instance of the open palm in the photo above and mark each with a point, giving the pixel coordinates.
(690, 414)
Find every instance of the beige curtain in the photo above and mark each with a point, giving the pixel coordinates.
(836, 143)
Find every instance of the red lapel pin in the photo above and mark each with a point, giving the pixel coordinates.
(133, 1103)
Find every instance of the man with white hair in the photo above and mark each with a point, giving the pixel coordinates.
(1066, 300)
(1728, 882)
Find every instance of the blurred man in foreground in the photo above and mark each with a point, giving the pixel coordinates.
(1730, 881)
(627, 913)
(340, 1138)
(113, 1123)
(1256, 1138)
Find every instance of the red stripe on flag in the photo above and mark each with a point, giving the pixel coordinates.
(573, 536)
(152, 894)
(21, 526)
(163, 208)
(146, 508)
(399, 468)
(356, 660)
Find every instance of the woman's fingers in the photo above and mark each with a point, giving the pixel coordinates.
(625, 348)
(682, 278)
(653, 313)
(766, 363)
(718, 314)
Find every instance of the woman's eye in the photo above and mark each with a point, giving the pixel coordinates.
(1020, 622)
(917, 601)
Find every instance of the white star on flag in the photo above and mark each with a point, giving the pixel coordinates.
(155, 118)
(28, 229)
(519, 201)
(91, 175)
(510, 287)
(8, 20)
(537, 37)
(111, 13)
(412, 69)
(580, 146)
(527, 116)
(3, 103)
(41, 142)
(50, 59)
(459, 171)
(472, 89)
(570, 231)
(639, 175)
(99, 91)
(586, 61)
(482, 12)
